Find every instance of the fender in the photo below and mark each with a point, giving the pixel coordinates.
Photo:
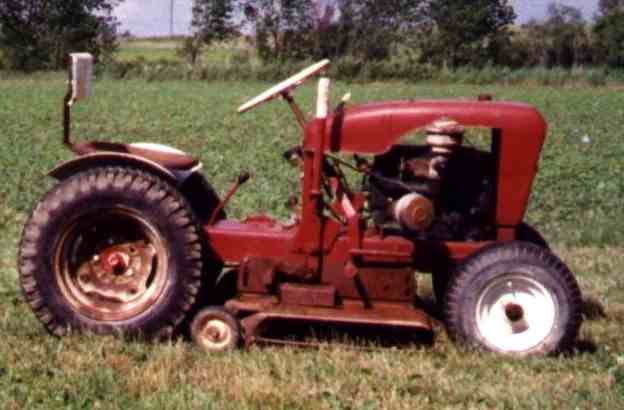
(84, 162)
(191, 184)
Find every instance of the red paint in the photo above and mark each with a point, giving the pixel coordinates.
(375, 128)
(346, 261)
(518, 132)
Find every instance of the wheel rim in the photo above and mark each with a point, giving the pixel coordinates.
(111, 265)
(213, 334)
(515, 313)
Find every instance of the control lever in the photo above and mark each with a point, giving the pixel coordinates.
(294, 156)
(242, 178)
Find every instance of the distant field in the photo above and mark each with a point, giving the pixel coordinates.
(576, 204)
(165, 49)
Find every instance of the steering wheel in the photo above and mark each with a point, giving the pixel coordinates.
(284, 87)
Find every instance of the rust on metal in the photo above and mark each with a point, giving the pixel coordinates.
(308, 295)
(260, 311)
(106, 276)
(414, 211)
(119, 273)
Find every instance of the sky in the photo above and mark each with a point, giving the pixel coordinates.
(151, 17)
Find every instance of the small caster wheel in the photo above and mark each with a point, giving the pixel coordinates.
(215, 330)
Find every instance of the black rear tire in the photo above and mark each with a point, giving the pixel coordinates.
(516, 299)
(111, 249)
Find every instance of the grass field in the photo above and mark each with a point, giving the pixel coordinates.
(153, 49)
(576, 204)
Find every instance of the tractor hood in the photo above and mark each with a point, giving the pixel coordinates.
(374, 128)
(518, 129)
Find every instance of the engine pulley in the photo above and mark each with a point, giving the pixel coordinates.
(413, 211)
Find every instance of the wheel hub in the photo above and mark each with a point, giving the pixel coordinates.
(112, 265)
(116, 262)
(215, 334)
(118, 273)
(515, 313)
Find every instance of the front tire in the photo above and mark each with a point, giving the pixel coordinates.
(440, 278)
(515, 299)
(111, 249)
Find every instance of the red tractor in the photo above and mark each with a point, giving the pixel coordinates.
(132, 235)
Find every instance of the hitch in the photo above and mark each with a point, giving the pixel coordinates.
(243, 177)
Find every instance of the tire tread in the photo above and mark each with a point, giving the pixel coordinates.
(99, 180)
(521, 251)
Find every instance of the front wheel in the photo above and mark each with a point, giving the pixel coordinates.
(441, 276)
(111, 249)
(516, 299)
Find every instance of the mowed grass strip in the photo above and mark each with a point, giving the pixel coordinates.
(576, 204)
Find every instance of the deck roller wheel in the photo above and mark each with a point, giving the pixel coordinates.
(215, 330)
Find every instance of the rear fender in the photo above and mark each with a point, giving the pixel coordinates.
(198, 192)
(103, 159)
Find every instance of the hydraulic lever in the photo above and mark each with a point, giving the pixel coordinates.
(242, 178)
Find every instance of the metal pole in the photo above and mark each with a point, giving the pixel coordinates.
(171, 19)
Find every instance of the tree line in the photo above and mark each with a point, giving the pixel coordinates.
(36, 34)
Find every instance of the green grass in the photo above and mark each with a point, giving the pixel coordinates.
(577, 194)
(576, 204)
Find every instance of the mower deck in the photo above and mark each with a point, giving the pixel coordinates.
(257, 310)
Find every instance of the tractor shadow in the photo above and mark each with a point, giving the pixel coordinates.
(352, 336)
(592, 310)
(371, 337)
(310, 334)
(359, 337)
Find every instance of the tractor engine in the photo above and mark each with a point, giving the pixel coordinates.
(442, 191)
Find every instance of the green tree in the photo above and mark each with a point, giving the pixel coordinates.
(381, 26)
(297, 29)
(609, 38)
(561, 40)
(608, 6)
(466, 32)
(283, 29)
(364, 29)
(213, 20)
(38, 34)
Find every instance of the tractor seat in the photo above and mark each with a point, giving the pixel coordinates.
(168, 157)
